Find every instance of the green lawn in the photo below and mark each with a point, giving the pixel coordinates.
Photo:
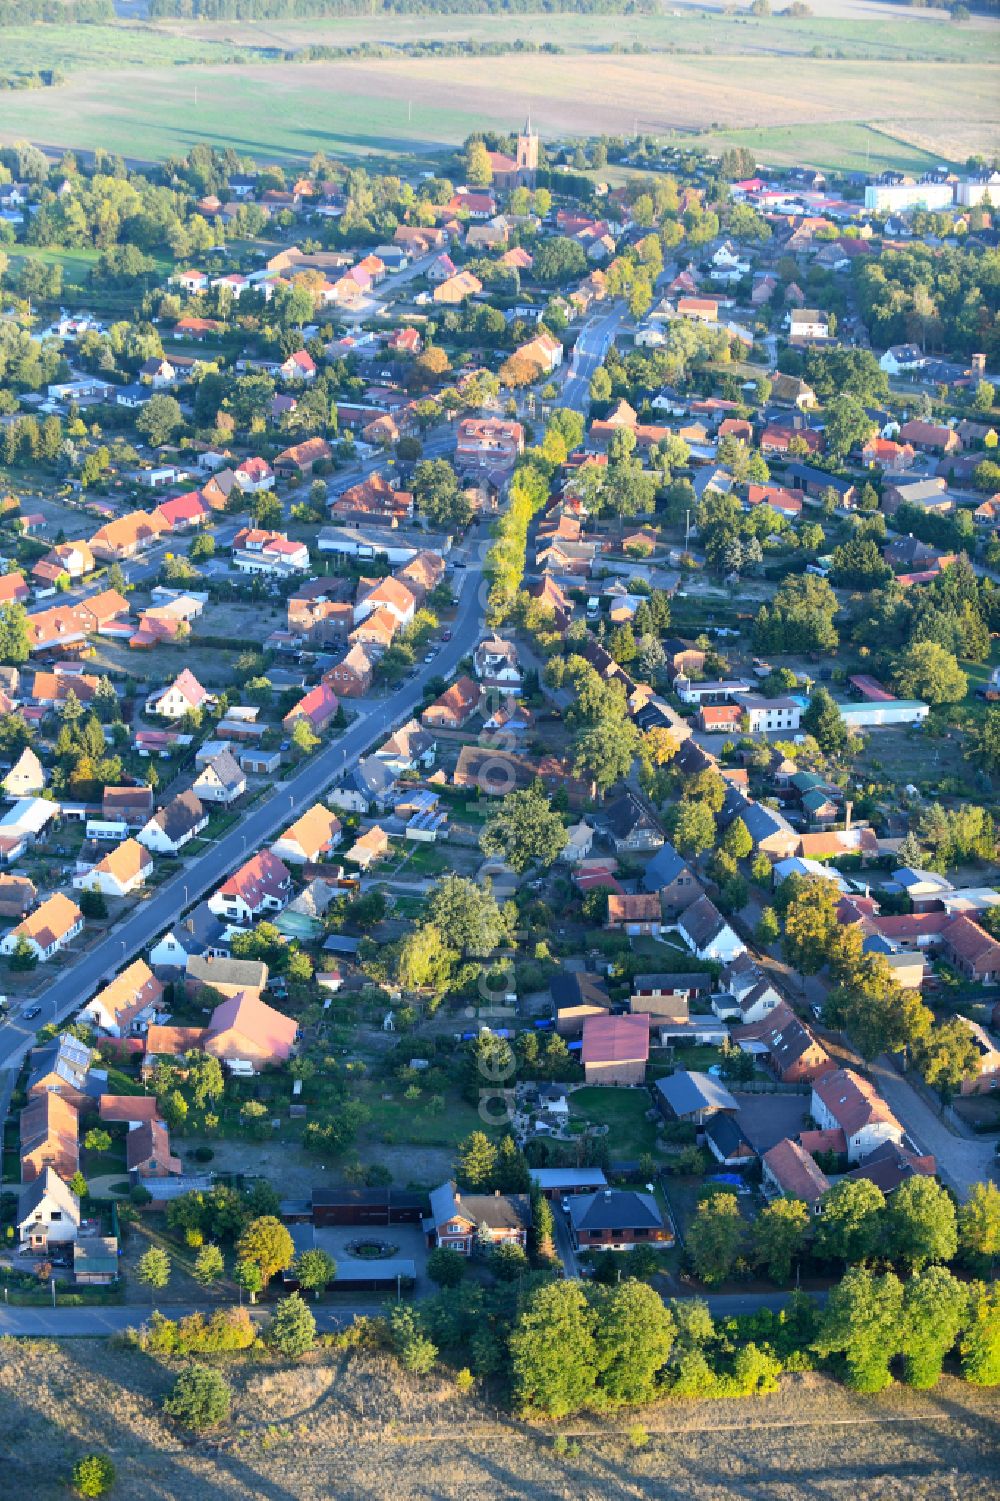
(623, 1111)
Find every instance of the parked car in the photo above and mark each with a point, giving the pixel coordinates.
(30, 1012)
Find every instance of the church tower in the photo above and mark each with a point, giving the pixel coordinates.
(527, 155)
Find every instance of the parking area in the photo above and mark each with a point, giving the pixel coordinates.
(768, 1118)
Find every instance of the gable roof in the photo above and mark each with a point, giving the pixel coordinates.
(498, 1211)
(313, 830)
(853, 1102)
(685, 1092)
(126, 861)
(50, 922)
(247, 1018)
(129, 993)
(182, 814)
(149, 1142)
(48, 1185)
(615, 1039)
(263, 875)
(795, 1171)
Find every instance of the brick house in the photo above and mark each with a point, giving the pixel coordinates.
(615, 1049)
(458, 1219)
(616, 1219)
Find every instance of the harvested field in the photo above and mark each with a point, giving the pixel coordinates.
(391, 107)
(356, 1428)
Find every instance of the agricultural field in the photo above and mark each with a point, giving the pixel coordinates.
(357, 1426)
(801, 91)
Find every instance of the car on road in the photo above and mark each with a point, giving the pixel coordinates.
(460, 564)
(430, 656)
(30, 1012)
(446, 635)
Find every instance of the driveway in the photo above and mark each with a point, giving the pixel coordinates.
(961, 1162)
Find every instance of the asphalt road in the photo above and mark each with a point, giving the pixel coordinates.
(76, 980)
(102, 1323)
(591, 346)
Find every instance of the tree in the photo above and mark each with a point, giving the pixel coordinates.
(935, 1306)
(921, 1224)
(715, 1237)
(554, 1352)
(410, 1341)
(508, 1261)
(247, 1275)
(605, 750)
(159, 419)
(200, 1398)
(863, 1321)
(736, 841)
(927, 671)
(823, 720)
(979, 1226)
(267, 1244)
(93, 1475)
(478, 167)
(849, 1229)
(948, 1056)
(468, 915)
(445, 1266)
(304, 738)
(693, 828)
(980, 1343)
(314, 1270)
(477, 1162)
(292, 1331)
(522, 830)
(15, 643)
(154, 1269)
(208, 1266)
(424, 960)
(812, 929)
(846, 425)
(97, 1140)
(768, 928)
(440, 498)
(78, 1185)
(779, 1234)
(634, 1336)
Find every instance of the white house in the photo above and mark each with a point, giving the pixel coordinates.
(122, 871)
(26, 818)
(902, 359)
(496, 665)
(221, 779)
(46, 930)
(174, 826)
(765, 715)
(131, 1001)
(184, 694)
(262, 884)
(845, 1100)
(47, 1214)
(707, 934)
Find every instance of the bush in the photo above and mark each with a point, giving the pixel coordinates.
(200, 1398)
(93, 1475)
(292, 1331)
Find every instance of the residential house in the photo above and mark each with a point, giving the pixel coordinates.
(615, 1049)
(47, 930)
(544, 352)
(121, 871)
(231, 977)
(577, 995)
(175, 825)
(27, 776)
(17, 896)
(128, 1005)
(147, 1152)
(455, 707)
(388, 594)
(637, 914)
(616, 1219)
(262, 884)
(788, 1171)
(221, 780)
(632, 827)
(318, 707)
(903, 359)
(371, 847)
(930, 437)
(844, 1100)
(121, 539)
(311, 838)
(488, 443)
(352, 677)
(456, 289)
(788, 1046)
(127, 805)
(986, 1076)
(198, 934)
(254, 475)
(299, 461)
(65, 1066)
(706, 932)
(182, 696)
(373, 500)
(459, 1221)
(269, 553)
(495, 664)
(50, 1137)
(48, 1215)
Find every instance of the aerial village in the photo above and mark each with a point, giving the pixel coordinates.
(499, 718)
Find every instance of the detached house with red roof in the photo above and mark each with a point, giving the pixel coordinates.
(256, 551)
(263, 884)
(122, 871)
(310, 838)
(844, 1100)
(46, 930)
(184, 694)
(128, 1005)
(185, 511)
(455, 707)
(298, 366)
(246, 1030)
(254, 475)
(319, 706)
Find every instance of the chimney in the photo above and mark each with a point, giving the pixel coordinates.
(496, 1193)
(848, 808)
(190, 924)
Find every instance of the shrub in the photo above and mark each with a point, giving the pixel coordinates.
(200, 1398)
(292, 1331)
(93, 1475)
